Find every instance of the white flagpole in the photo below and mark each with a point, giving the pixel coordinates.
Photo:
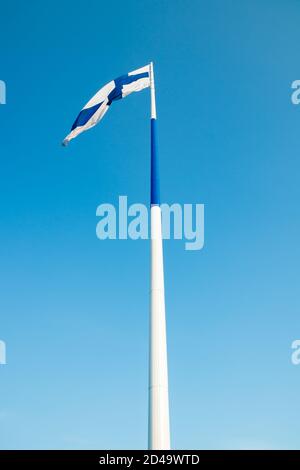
(159, 428)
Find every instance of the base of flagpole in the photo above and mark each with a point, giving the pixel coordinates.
(159, 429)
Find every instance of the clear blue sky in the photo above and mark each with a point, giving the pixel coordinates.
(74, 309)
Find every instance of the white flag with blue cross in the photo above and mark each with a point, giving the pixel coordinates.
(117, 89)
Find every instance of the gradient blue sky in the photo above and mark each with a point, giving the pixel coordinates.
(74, 309)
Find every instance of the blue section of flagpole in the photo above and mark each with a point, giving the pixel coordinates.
(155, 193)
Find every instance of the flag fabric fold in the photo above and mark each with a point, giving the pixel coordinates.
(97, 106)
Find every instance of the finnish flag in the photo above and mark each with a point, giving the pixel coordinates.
(95, 109)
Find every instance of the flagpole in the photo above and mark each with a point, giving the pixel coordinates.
(159, 428)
